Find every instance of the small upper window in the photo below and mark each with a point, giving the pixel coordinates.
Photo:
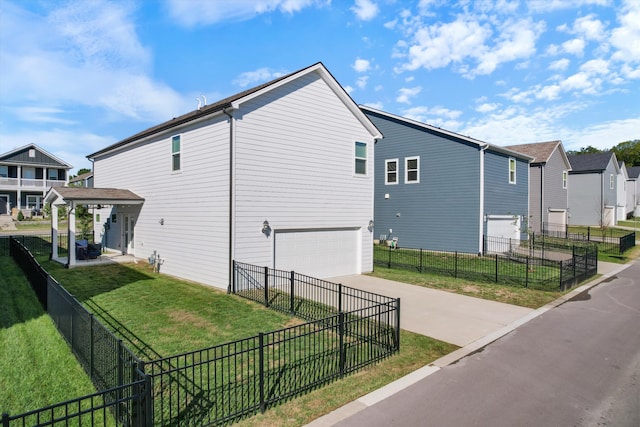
(53, 174)
(175, 153)
(4, 171)
(512, 170)
(611, 182)
(412, 170)
(564, 179)
(361, 158)
(391, 167)
(32, 152)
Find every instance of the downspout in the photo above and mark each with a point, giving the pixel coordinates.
(483, 147)
(231, 194)
(601, 199)
(541, 197)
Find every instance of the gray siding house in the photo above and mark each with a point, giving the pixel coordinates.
(593, 183)
(633, 190)
(548, 184)
(280, 175)
(439, 190)
(26, 173)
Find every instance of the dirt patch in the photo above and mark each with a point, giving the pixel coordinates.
(471, 289)
(185, 318)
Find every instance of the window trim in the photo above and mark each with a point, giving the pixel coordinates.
(177, 153)
(512, 161)
(407, 170)
(386, 171)
(611, 182)
(565, 179)
(32, 153)
(362, 159)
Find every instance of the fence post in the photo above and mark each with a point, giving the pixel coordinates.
(496, 268)
(120, 381)
(420, 260)
(233, 277)
(589, 233)
(341, 343)
(91, 348)
(266, 286)
(526, 277)
(573, 256)
(263, 406)
(484, 244)
(339, 297)
(455, 272)
(292, 302)
(5, 419)
(389, 261)
(561, 284)
(398, 324)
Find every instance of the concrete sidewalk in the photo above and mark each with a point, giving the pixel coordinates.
(450, 323)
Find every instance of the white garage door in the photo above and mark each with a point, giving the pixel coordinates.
(503, 226)
(318, 253)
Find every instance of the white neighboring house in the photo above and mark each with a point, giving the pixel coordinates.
(621, 207)
(633, 190)
(280, 175)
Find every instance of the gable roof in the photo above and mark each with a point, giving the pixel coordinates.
(7, 157)
(233, 102)
(592, 162)
(431, 128)
(542, 151)
(81, 177)
(633, 172)
(84, 195)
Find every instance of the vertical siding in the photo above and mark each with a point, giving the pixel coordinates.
(441, 212)
(295, 168)
(501, 197)
(192, 202)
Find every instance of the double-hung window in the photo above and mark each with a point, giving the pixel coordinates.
(361, 158)
(175, 153)
(391, 171)
(411, 170)
(564, 179)
(512, 170)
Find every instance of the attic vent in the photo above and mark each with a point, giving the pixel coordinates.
(32, 152)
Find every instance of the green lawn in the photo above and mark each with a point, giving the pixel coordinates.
(37, 367)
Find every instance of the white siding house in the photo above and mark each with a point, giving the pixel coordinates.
(280, 175)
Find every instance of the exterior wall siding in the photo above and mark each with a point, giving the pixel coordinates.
(610, 196)
(555, 197)
(442, 211)
(535, 197)
(192, 202)
(295, 168)
(585, 204)
(501, 197)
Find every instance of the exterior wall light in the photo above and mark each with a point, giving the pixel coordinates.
(370, 225)
(265, 227)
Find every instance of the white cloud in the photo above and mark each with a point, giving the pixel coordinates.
(377, 105)
(361, 65)
(405, 94)
(204, 12)
(541, 6)
(260, 75)
(435, 116)
(626, 37)
(589, 27)
(559, 65)
(365, 10)
(41, 115)
(486, 108)
(574, 47)
(361, 82)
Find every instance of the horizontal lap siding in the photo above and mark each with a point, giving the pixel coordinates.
(294, 168)
(584, 199)
(441, 212)
(555, 195)
(501, 197)
(535, 197)
(193, 202)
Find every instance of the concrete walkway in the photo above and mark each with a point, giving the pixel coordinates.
(6, 223)
(456, 319)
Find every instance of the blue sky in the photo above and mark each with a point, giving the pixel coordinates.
(76, 76)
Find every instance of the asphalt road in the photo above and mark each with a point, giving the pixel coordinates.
(575, 365)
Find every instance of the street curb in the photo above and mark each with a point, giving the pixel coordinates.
(394, 387)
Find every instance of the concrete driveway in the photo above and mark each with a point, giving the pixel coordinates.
(456, 319)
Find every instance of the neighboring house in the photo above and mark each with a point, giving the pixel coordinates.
(82, 180)
(633, 190)
(593, 196)
(26, 173)
(439, 190)
(621, 188)
(548, 182)
(280, 175)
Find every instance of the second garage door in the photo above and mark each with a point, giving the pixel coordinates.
(318, 253)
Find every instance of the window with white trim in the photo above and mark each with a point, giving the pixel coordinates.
(512, 170)
(34, 202)
(175, 153)
(53, 174)
(411, 170)
(4, 171)
(611, 182)
(565, 177)
(391, 171)
(32, 152)
(361, 158)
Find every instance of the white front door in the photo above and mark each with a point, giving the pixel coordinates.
(128, 227)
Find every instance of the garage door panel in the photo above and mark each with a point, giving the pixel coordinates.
(325, 253)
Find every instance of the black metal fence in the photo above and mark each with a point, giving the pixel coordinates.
(511, 264)
(40, 244)
(112, 367)
(350, 329)
(609, 240)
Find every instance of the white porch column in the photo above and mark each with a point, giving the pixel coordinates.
(19, 193)
(54, 231)
(72, 234)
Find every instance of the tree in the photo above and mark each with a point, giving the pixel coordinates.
(585, 150)
(83, 170)
(628, 152)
